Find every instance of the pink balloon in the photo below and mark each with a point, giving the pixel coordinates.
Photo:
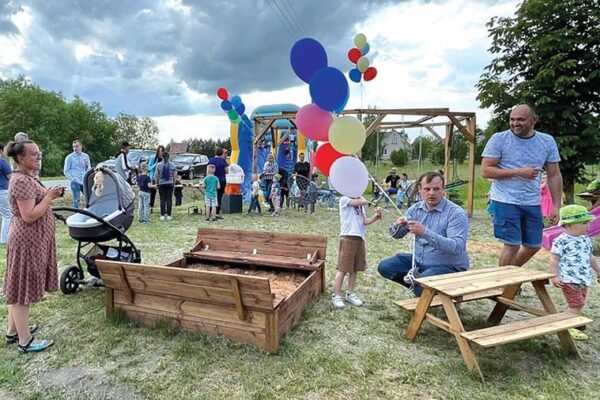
(349, 176)
(313, 122)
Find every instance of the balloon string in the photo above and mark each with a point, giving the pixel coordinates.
(386, 195)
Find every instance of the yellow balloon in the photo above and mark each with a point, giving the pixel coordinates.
(362, 64)
(347, 135)
(360, 40)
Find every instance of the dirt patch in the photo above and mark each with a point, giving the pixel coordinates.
(282, 284)
(77, 381)
(495, 247)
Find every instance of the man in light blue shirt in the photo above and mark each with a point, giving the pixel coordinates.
(76, 165)
(440, 230)
(515, 160)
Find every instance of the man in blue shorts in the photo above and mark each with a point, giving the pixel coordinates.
(515, 159)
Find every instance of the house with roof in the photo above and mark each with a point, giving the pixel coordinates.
(393, 140)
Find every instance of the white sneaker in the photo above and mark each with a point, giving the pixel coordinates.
(169, 218)
(162, 218)
(353, 299)
(337, 301)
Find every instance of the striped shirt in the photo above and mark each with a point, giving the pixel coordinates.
(445, 239)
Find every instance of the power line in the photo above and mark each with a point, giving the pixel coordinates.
(289, 22)
(290, 32)
(294, 15)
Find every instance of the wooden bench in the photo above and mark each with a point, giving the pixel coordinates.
(520, 330)
(411, 304)
(239, 306)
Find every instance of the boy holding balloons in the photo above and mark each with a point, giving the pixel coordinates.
(352, 253)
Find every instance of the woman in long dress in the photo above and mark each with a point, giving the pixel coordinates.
(547, 204)
(31, 267)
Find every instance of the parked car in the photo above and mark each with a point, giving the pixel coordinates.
(135, 157)
(190, 165)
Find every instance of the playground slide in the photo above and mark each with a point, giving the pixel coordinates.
(554, 231)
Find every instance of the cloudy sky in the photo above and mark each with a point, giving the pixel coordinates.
(166, 58)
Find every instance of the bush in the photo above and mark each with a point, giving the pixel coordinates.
(399, 157)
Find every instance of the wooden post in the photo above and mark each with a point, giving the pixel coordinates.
(456, 327)
(417, 320)
(447, 152)
(472, 149)
(237, 298)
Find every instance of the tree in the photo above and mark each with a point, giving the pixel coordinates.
(399, 157)
(370, 151)
(423, 145)
(547, 56)
(147, 134)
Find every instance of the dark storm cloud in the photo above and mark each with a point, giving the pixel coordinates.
(242, 45)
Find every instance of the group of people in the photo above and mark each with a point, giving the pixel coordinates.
(514, 160)
(394, 184)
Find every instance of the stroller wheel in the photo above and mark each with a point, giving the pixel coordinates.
(69, 280)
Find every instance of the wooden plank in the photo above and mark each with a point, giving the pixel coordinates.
(521, 330)
(191, 276)
(249, 259)
(471, 124)
(411, 304)
(262, 249)
(459, 275)
(522, 307)
(196, 310)
(289, 311)
(202, 293)
(271, 337)
(236, 335)
(237, 298)
(109, 301)
(457, 329)
(440, 323)
(126, 284)
(461, 128)
(286, 239)
(417, 319)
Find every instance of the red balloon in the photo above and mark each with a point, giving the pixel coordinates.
(325, 156)
(222, 93)
(369, 74)
(354, 54)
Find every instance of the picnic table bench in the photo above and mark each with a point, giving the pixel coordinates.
(499, 284)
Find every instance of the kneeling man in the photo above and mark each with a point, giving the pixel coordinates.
(440, 230)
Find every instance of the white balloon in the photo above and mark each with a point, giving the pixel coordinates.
(349, 176)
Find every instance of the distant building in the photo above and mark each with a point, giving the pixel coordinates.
(177, 148)
(393, 140)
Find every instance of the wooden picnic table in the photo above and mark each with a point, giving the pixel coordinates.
(499, 284)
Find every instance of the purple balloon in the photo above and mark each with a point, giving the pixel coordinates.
(349, 176)
(329, 89)
(307, 57)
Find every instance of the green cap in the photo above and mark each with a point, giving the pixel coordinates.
(574, 214)
(277, 176)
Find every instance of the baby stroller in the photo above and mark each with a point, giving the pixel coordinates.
(107, 215)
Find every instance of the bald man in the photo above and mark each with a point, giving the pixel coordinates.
(515, 160)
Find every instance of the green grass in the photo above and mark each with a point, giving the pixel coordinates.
(330, 354)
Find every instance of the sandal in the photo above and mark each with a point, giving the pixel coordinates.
(11, 338)
(31, 347)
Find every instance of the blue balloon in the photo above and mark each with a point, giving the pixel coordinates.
(355, 75)
(236, 101)
(341, 108)
(226, 105)
(365, 49)
(241, 109)
(329, 88)
(307, 57)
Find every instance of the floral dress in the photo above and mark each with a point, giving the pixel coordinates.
(31, 267)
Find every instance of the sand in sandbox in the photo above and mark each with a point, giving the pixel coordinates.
(282, 283)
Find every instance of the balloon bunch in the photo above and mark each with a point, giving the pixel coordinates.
(358, 56)
(234, 107)
(344, 135)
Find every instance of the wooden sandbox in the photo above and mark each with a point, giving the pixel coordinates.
(248, 286)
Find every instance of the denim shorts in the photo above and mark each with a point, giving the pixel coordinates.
(518, 225)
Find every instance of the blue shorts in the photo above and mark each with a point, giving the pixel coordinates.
(518, 225)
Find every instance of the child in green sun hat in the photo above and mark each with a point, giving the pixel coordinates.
(572, 261)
